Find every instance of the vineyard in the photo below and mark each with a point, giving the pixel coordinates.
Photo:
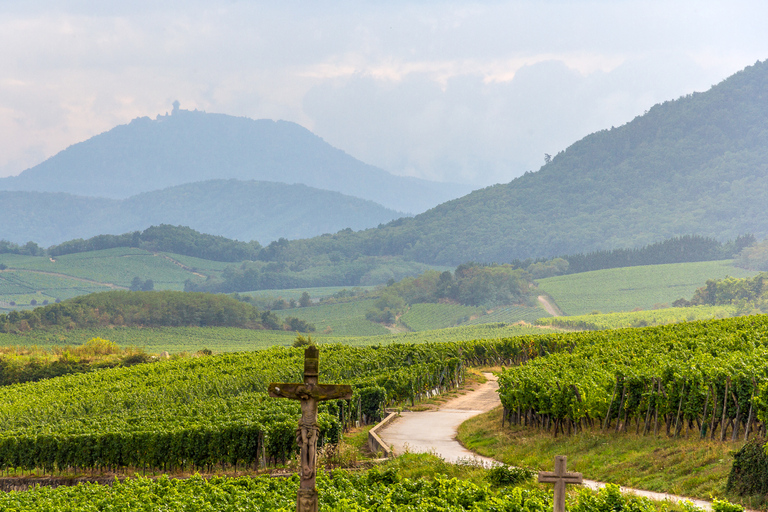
(596, 322)
(424, 317)
(339, 491)
(115, 266)
(342, 319)
(511, 314)
(705, 379)
(624, 289)
(231, 339)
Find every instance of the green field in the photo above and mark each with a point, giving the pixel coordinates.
(342, 319)
(315, 293)
(511, 314)
(424, 317)
(624, 319)
(41, 278)
(625, 289)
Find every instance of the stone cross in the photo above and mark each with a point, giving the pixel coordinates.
(559, 477)
(310, 393)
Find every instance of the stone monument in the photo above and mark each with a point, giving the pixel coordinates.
(310, 393)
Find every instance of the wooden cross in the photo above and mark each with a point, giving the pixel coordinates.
(560, 477)
(310, 393)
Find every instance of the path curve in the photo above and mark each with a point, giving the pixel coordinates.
(549, 307)
(435, 431)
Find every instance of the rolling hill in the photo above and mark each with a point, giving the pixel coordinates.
(695, 165)
(243, 210)
(191, 146)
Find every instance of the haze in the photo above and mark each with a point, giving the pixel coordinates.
(450, 91)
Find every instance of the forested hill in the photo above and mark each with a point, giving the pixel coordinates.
(243, 210)
(695, 165)
(190, 146)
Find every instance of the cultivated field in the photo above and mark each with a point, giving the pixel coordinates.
(624, 289)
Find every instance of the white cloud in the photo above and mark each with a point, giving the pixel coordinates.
(471, 91)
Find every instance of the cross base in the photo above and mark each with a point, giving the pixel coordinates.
(306, 500)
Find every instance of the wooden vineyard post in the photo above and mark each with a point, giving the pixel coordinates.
(309, 393)
(560, 477)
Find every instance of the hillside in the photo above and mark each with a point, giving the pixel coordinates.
(191, 146)
(695, 165)
(243, 210)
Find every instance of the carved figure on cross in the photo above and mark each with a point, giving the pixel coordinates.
(560, 477)
(310, 393)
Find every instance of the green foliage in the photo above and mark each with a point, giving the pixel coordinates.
(502, 475)
(339, 491)
(150, 309)
(662, 369)
(735, 291)
(424, 317)
(165, 238)
(749, 474)
(754, 257)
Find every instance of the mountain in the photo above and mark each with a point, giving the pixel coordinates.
(191, 146)
(243, 210)
(695, 165)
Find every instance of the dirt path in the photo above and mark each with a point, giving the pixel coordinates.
(435, 431)
(549, 307)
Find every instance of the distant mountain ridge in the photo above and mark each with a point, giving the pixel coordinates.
(242, 210)
(192, 146)
(696, 165)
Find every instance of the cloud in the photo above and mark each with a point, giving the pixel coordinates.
(452, 90)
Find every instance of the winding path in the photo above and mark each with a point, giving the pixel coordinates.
(435, 431)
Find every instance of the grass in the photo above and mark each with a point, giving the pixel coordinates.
(624, 289)
(687, 467)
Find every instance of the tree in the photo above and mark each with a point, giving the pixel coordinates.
(136, 284)
(148, 286)
(305, 301)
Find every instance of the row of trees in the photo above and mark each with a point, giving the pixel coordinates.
(149, 309)
(471, 284)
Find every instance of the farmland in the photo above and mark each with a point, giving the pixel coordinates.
(628, 288)
(70, 275)
(230, 339)
(624, 319)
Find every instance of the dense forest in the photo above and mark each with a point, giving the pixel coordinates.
(244, 210)
(147, 309)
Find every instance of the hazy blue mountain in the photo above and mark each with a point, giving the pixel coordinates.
(190, 146)
(242, 210)
(695, 165)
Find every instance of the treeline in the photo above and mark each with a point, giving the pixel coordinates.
(472, 284)
(148, 309)
(166, 238)
(748, 293)
(682, 249)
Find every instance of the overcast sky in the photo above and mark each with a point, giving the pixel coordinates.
(451, 91)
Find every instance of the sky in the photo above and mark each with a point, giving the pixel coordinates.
(468, 92)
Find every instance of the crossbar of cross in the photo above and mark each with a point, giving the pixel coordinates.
(560, 477)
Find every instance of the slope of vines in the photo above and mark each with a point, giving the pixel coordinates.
(706, 378)
(194, 413)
